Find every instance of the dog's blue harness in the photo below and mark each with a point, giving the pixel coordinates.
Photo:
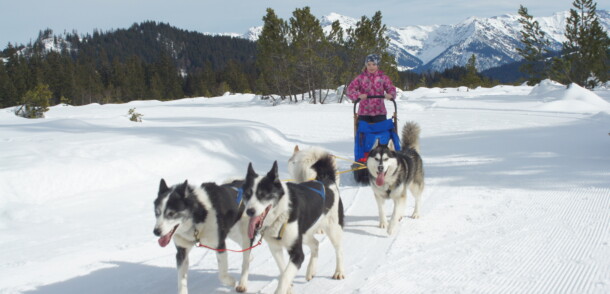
(240, 194)
(321, 192)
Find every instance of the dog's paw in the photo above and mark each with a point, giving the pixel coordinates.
(415, 215)
(288, 291)
(383, 224)
(391, 229)
(241, 289)
(338, 276)
(311, 272)
(309, 277)
(228, 280)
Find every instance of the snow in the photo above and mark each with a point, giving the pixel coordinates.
(575, 98)
(516, 199)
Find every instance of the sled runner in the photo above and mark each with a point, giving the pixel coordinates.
(365, 136)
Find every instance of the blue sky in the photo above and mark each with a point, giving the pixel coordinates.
(21, 20)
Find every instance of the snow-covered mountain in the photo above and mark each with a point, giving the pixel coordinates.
(436, 47)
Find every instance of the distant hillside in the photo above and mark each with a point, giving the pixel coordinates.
(149, 60)
(148, 40)
(506, 74)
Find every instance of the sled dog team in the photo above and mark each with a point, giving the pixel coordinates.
(285, 214)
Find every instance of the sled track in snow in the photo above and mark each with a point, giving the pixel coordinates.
(581, 236)
(517, 247)
(493, 242)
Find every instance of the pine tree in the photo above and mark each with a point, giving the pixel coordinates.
(35, 102)
(235, 77)
(88, 82)
(210, 82)
(423, 82)
(599, 44)
(472, 79)
(273, 58)
(368, 37)
(329, 71)
(170, 82)
(7, 89)
(535, 47)
(135, 79)
(306, 37)
(17, 69)
(585, 53)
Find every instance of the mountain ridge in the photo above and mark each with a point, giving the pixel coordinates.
(436, 47)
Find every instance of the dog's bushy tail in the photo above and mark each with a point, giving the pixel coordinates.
(410, 136)
(326, 172)
(326, 169)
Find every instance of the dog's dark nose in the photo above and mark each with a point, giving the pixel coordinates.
(157, 232)
(380, 168)
(250, 212)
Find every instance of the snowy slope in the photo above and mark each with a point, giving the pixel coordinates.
(516, 199)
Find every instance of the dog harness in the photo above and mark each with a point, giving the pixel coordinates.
(240, 194)
(321, 192)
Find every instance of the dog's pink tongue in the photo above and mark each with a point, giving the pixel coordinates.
(164, 240)
(252, 225)
(380, 179)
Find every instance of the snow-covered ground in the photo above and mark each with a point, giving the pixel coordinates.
(517, 196)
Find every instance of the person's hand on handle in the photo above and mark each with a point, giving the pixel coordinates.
(362, 96)
(389, 96)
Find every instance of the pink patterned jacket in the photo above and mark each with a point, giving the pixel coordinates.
(372, 84)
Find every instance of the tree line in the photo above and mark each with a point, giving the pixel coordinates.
(293, 59)
(296, 57)
(585, 55)
(147, 61)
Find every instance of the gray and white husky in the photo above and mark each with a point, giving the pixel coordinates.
(288, 215)
(392, 172)
(207, 214)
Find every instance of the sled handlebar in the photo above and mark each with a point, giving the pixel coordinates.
(374, 97)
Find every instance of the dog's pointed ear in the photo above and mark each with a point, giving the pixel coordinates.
(273, 172)
(163, 186)
(249, 181)
(251, 172)
(186, 187)
(391, 144)
(296, 149)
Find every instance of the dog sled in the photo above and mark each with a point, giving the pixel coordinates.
(365, 136)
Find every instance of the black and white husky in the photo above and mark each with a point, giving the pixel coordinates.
(288, 215)
(207, 214)
(392, 172)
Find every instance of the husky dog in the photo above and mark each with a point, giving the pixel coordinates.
(392, 172)
(300, 165)
(288, 215)
(207, 214)
(301, 162)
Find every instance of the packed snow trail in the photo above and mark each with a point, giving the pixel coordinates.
(516, 198)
